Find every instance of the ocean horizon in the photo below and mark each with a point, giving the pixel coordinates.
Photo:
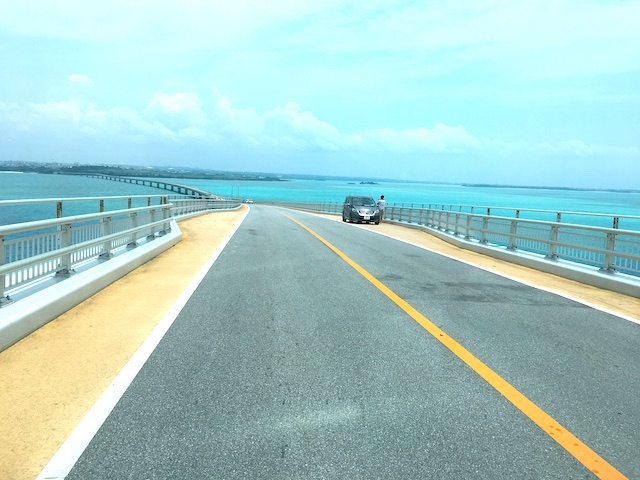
(15, 185)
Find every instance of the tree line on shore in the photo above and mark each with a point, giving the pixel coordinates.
(130, 171)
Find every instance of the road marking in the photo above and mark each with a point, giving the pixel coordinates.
(578, 449)
(74, 446)
(494, 270)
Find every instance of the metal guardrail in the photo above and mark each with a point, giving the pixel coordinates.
(31, 251)
(34, 250)
(610, 250)
(596, 219)
(188, 206)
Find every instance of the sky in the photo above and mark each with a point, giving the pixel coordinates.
(543, 92)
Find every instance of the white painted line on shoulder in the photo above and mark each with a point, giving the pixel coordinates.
(66, 457)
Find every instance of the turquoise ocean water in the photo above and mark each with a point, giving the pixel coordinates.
(21, 186)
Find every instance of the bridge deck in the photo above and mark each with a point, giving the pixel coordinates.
(53, 377)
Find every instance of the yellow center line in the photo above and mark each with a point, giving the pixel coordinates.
(585, 455)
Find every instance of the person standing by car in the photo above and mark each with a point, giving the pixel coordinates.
(382, 205)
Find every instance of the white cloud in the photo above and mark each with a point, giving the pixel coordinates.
(180, 117)
(330, 79)
(178, 111)
(80, 80)
(237, 122)
(127, 123)
(440, 138)
(290, 122)
(176, 103)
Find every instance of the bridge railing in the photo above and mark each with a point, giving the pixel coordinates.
(187, 206)
(34, 250)
(608, 249)
(630, 222)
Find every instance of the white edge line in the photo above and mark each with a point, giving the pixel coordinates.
(70, 451)
(495, 272)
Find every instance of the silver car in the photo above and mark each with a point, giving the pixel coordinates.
(360, 209)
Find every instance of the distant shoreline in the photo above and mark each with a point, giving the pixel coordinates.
(205, 174)
(576, 189)
(116, 171)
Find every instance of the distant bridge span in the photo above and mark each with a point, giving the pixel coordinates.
(172, 187)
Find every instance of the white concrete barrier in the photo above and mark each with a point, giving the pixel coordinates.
(26, 315)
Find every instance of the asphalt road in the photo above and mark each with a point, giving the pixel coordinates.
(288, 363)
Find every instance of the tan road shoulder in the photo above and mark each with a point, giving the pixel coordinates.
(51, 379)
(607, 300)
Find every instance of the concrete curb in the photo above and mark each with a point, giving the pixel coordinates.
(27, 315)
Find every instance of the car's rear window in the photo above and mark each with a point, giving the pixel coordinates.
(363, 201)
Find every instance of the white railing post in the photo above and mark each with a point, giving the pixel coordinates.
(64, 268)
(513, 232)
(423, 214)
(134, 238)
(485, 228)
(553, 243)
(447, 226)
(108, 245)
(467, 228)
(152, 227)
(4, 299)
(166, 226)
(609, 265)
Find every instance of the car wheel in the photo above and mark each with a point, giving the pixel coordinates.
(377, 223)
(344, 219)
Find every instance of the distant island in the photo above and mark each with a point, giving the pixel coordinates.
(131, 171)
